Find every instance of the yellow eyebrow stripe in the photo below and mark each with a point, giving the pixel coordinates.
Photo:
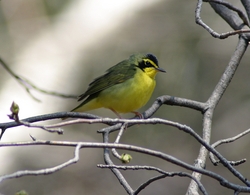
(151, 62)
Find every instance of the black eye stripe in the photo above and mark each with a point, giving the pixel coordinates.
(146, 64)
(148, 61)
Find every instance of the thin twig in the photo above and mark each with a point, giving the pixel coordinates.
(29, 85)
(148, 182)
(50, 130)
(114, 152)
(182, 102)
(151, 168)
(228, 140)
(44, 171)
(116, 172)
(237, 29)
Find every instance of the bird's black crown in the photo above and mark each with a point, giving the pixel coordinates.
(152, 58)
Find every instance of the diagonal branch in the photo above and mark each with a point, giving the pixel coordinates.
(246, 4)
(151, 168)
(44, 171)
(226, 11)
(228, 140)
(117, 173)
(29, 85)
(212, 103)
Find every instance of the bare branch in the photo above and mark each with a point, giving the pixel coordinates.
(212, 102)
(166, 122)
(221, 86)
(228, 140)
(114, 152)
(151, 168)
(44, 171)
(177, 101)
(229, 15)
(29, 85)
(148, 182)
(240, 13)
(50, 130)
(14, 116)
(222, 8)
(246, 5)
(116, 172)
(150, 152)
(170, 100)
(57, 115)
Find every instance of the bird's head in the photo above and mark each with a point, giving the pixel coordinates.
(148, 63)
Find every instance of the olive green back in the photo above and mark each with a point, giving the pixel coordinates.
(114, 75)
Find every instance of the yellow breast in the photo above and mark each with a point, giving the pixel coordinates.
(128, 96)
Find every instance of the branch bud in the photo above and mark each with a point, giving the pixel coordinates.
(14, 108)
(126, 158)
(14, 111)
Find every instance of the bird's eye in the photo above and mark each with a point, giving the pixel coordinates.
(147, 63)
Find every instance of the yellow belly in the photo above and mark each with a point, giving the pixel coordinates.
(125, 97)
(128, 96)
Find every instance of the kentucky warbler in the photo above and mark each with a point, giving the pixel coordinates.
(124, 88)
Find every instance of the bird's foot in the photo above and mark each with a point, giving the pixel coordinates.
(138, 114)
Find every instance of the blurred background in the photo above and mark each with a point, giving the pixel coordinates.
(62, 45)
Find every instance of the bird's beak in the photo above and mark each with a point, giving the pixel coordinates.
(160, 69)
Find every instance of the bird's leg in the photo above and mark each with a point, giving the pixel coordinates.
(119, 116)
(116, 113)
(138, 114)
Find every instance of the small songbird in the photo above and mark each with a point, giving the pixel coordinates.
(124, 88)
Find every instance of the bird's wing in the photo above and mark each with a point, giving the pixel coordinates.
(114, 75)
